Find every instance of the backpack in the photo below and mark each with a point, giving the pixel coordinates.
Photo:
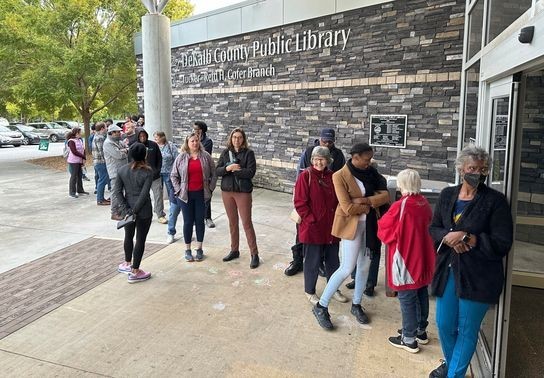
(66, 150)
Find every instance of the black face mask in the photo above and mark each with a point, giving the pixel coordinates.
(474, 179)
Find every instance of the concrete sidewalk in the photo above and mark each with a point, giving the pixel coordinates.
(201, 319)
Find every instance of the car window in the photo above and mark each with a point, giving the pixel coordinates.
(55, 125)
(25, 128)
(4, 129)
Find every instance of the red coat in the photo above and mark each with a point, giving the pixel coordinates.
(315, 202)
(410, 249)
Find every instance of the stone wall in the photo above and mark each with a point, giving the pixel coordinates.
(402, 57)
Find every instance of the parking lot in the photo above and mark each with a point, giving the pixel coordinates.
(12, 154)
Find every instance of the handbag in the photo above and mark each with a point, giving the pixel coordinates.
(294, 215)
(125, 222)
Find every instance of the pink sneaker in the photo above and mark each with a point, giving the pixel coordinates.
(140, 276)
(124, 267)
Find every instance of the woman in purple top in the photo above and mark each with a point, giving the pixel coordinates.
(76, 160)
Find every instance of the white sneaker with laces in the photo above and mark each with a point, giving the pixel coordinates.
(340, 297)
(169, 239)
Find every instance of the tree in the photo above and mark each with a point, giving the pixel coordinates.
(77, 52)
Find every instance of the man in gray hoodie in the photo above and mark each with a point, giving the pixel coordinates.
(115, 154)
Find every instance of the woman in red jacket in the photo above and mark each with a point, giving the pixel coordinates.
(410, 259)
(315, 202)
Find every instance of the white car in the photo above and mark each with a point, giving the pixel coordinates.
(9, 137)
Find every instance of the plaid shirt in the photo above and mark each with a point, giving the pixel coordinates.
(98, 149)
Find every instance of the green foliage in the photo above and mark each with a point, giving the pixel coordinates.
(57, 54)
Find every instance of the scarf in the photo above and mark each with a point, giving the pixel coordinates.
(367, 176)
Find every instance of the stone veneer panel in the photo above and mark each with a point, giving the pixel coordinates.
(402, 57)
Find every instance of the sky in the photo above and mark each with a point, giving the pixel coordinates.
(202, 6)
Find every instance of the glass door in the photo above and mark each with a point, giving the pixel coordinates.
(496, 134)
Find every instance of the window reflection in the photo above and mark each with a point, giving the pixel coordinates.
(471, 103)
(502, 13)
(475, 24)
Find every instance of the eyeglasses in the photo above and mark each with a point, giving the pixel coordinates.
(476, 169)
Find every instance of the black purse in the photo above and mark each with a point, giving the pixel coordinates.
(129, 219)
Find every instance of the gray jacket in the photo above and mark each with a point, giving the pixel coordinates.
(115, 154)
(180, 178)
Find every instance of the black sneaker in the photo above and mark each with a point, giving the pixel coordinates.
(351, 285)
(199, 254)
(440, 372)
(359, 314)
(323, 317)
(397, 342)
(369, 291)
(421, 339)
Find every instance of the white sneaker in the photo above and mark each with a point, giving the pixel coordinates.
(169, 239)
(312, 298)
(340, 297)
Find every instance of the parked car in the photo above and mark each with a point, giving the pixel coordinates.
(30, 134)
(55, 131)
(3, 122)
(8, 137)
(69, 124)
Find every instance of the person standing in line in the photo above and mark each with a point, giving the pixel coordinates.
(194, 179)
(169, 153)
(101, 172)
(154, 159)
(410, 258)
(360, 189)
(326, 139)
(76, 160)
(132, 189)
(129, 137)
(472, 230)
(237, 167)
(315, 202)
(200, 129)
(115, 154)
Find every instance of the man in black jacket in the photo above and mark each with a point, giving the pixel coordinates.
(154, 159)
(326, 139)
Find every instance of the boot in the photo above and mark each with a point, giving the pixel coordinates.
(296, 265)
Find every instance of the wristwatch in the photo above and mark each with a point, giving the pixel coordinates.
(466, 238)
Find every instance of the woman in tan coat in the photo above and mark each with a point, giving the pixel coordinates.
(359, 189)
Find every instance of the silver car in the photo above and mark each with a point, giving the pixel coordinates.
(55, 131)
(10, 137)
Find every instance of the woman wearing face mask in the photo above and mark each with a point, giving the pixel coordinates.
(472, 231)
(359, 189)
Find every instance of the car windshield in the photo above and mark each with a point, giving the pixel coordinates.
(4, 129)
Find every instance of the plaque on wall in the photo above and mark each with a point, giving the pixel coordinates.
(388, 130)
(501, 127)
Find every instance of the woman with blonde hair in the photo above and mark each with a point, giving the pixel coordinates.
(193, 178)
(410, 259)
(237, 166)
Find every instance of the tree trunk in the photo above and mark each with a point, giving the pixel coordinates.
(86, 115)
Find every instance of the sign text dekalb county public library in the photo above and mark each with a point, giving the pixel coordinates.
(304, 41)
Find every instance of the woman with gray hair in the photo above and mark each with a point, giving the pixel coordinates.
(410, 259)
(472, 232)
(315, 202)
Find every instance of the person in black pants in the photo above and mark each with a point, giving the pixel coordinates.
(132, 189)
(200, 129)
(326, 139)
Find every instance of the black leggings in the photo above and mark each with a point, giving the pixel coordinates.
(76, 178)
(135, 252)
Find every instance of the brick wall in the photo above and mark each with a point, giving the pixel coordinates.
(402, 57)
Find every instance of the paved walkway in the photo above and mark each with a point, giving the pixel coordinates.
(204, 319)
(34, 289)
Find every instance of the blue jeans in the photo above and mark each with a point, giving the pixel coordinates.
(169, 187)
(103, 180)
(354, 252)
(193, 214)
(414, 306)
(175, 206)
(458, 321)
